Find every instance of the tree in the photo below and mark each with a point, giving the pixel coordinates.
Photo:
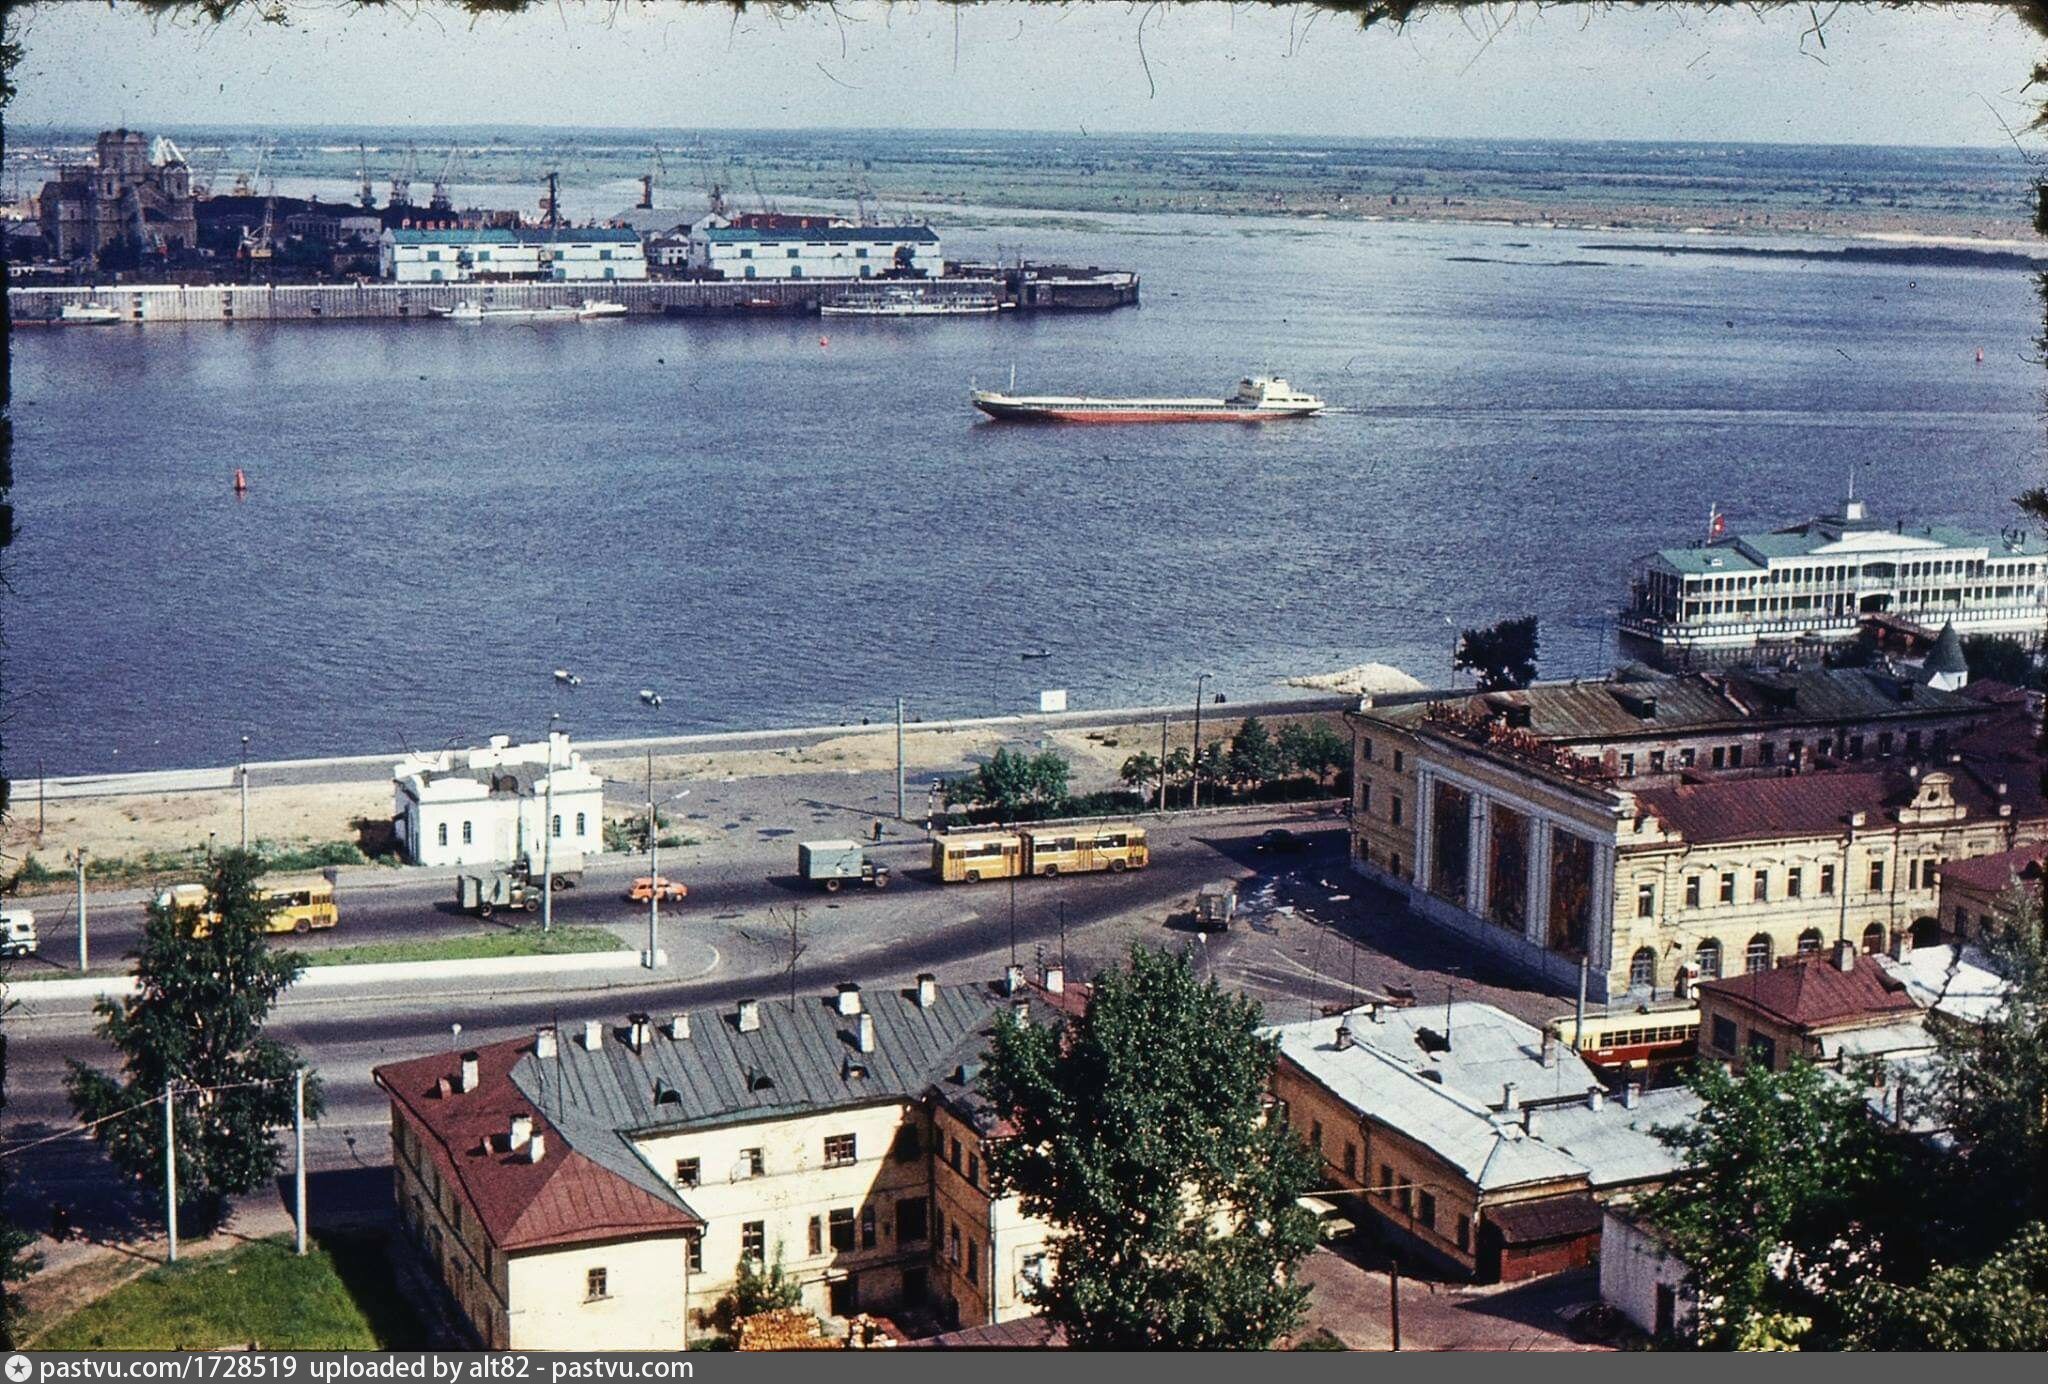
(1140, 771)
(1143, 1138)
(1325, 753)
(1998, 658)
(16, 1260)
(755, 1290)
(1048, 776)
(1254, 758)
(1500, 656)
(1769, 1213)
(1293, 748)
(2000, 1304)
(197, 1019)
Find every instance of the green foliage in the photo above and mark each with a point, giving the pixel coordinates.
(1769, 1214)
(1140, 771)
(17, 1262)
(1012, 784)
(1142, 1139)
(2000, 658)
(341, 1296)
(1253, 758)
(1999, 1304)
(519, 941)
(1500, 656)
(197, 1019)
(755, 1290)
(630, 833)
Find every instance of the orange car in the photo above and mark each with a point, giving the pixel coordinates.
(656, 887)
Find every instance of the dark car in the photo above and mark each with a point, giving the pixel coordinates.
(1279, 840)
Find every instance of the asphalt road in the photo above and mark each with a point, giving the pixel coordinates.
(958, 931)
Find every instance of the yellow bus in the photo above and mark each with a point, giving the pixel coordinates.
(1041, 851)
(295, 906)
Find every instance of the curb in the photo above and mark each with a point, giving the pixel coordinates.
(369, 973)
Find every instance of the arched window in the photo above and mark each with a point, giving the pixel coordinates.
(441, 834)
(1707, 960)
(1926, 932)
(1642, 969)
(558, 824)
(1873, 939)
(1757, 955)
(467, 835)
(579, 824)
(1809, 941)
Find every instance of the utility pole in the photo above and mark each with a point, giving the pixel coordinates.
(1164, 721)
(899, 759)
(171, 1165)
(547, 828)
(299, 1155)
(42, 787)
(245, 792)
(78, 859)
(1394, 1299)
(1579, 1015)
(1195, 781)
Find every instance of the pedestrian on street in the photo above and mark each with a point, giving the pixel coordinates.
(60, 1222)
(878, 828)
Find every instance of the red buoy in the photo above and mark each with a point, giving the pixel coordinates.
(824, 341)
(241, 482)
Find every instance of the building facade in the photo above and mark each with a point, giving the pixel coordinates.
(1974, 892)
(841, 1139)
(1739, 819)
(128, 190)
(816, 252)
(499, 804)
(590, 254)
(1818, 580)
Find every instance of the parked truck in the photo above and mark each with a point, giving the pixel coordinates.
(830, 864)
(484, 895)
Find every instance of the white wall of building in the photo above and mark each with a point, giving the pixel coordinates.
(1633, 1268)
(445, 816)
(791, 256)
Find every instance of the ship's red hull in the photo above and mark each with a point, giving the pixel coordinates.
(1055, 415)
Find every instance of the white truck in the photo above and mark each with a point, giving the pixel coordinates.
(830, 864)
(17, 932)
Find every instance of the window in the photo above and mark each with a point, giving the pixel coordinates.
(1793, 878)
(1686, 757)
(838, 1150)
(556, 828)
(751, 1160)
(1855, 747)
(1692, 891)
(1646, 900)
(581, 830)
(1757, 955)
(1827, 879)
(1405, 1199)
(1464, 1232)
(1707, 960)
(1760, 887)
(1426, 1210)
(1735, 756)
(973, 1170)
(1364, 796)
(441, 834)
(1873, 939)
(1723, 1034)
(1877, 876)
(595, 1283)
(1795, 752)
(1809, 941)
(1395, 811)
(953, 1155)
(693, 1245)
(1642, 969)
(974, 1261)
(1628, 766)
(842, 1228)
(1386, 1180)
(1315, 1134)
(911, 1219)
(1397, 761)
(1350, 1159)
(817, 1235)
(1031, 1272)
(1763, 1050)
(1884, 743)
(909, 1147)
(1656, 761)
(688, 1171)
(1365, 747)
(467, 834)
(1728, 886)
(1767, 752)
(1720, 757)
(867, 1226)
(953, 1243)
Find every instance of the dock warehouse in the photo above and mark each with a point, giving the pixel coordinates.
(817, 252)
(566, 255)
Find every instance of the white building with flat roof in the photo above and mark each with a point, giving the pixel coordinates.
(1822, 578)
(498, 804)
(567, 254)
(817, 252)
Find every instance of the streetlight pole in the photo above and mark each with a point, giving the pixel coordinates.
(245, 792)
(1195, 781)
(78, 859)
(651, 958)
(1855, 820)
(547, 833)
(899, 759)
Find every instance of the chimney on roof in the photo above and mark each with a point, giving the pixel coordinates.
(1630, 1094)
(679, 1027)
(849, 998)
(468, 1080)
(1845, 956)
(1549, 1049)
(593, 1034)
(1056, 977)
(927, 990)
(639, 1028)
(1013, 979)
(1372, 1011)
(1902, 944)
(1507, 1096)
(1999, 788)
(544, 1042)
(522, 1130)
(1344, 1035)
(536, 1148)
(864, 1032)
(749, 1016)
(1020, 1012)
(1596, 1099)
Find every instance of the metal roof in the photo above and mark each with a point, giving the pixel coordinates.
(412, 236)
(1617, 1144)
(829, 235)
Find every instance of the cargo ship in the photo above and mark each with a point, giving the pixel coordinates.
(1257, 399)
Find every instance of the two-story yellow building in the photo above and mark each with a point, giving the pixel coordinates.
(599, 1187)
(1660, 831)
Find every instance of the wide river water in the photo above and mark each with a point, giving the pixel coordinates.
(773, 528)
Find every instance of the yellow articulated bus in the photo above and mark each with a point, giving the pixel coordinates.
(1041, 851)
(296, 906)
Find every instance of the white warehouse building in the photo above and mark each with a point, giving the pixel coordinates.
(486, 806)
(570, 254)
(817, 252)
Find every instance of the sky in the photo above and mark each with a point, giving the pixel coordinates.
(1950, 76)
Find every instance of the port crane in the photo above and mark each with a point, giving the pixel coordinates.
(440, 200)
(401, 181)
(245, 183)
(654, 166)
(760, 196)
(364, 197)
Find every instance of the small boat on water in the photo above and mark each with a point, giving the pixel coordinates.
(88, 315)
(909, 302)
(560, 312)
(1257, 399)
(1036, 653)
(591, 309)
